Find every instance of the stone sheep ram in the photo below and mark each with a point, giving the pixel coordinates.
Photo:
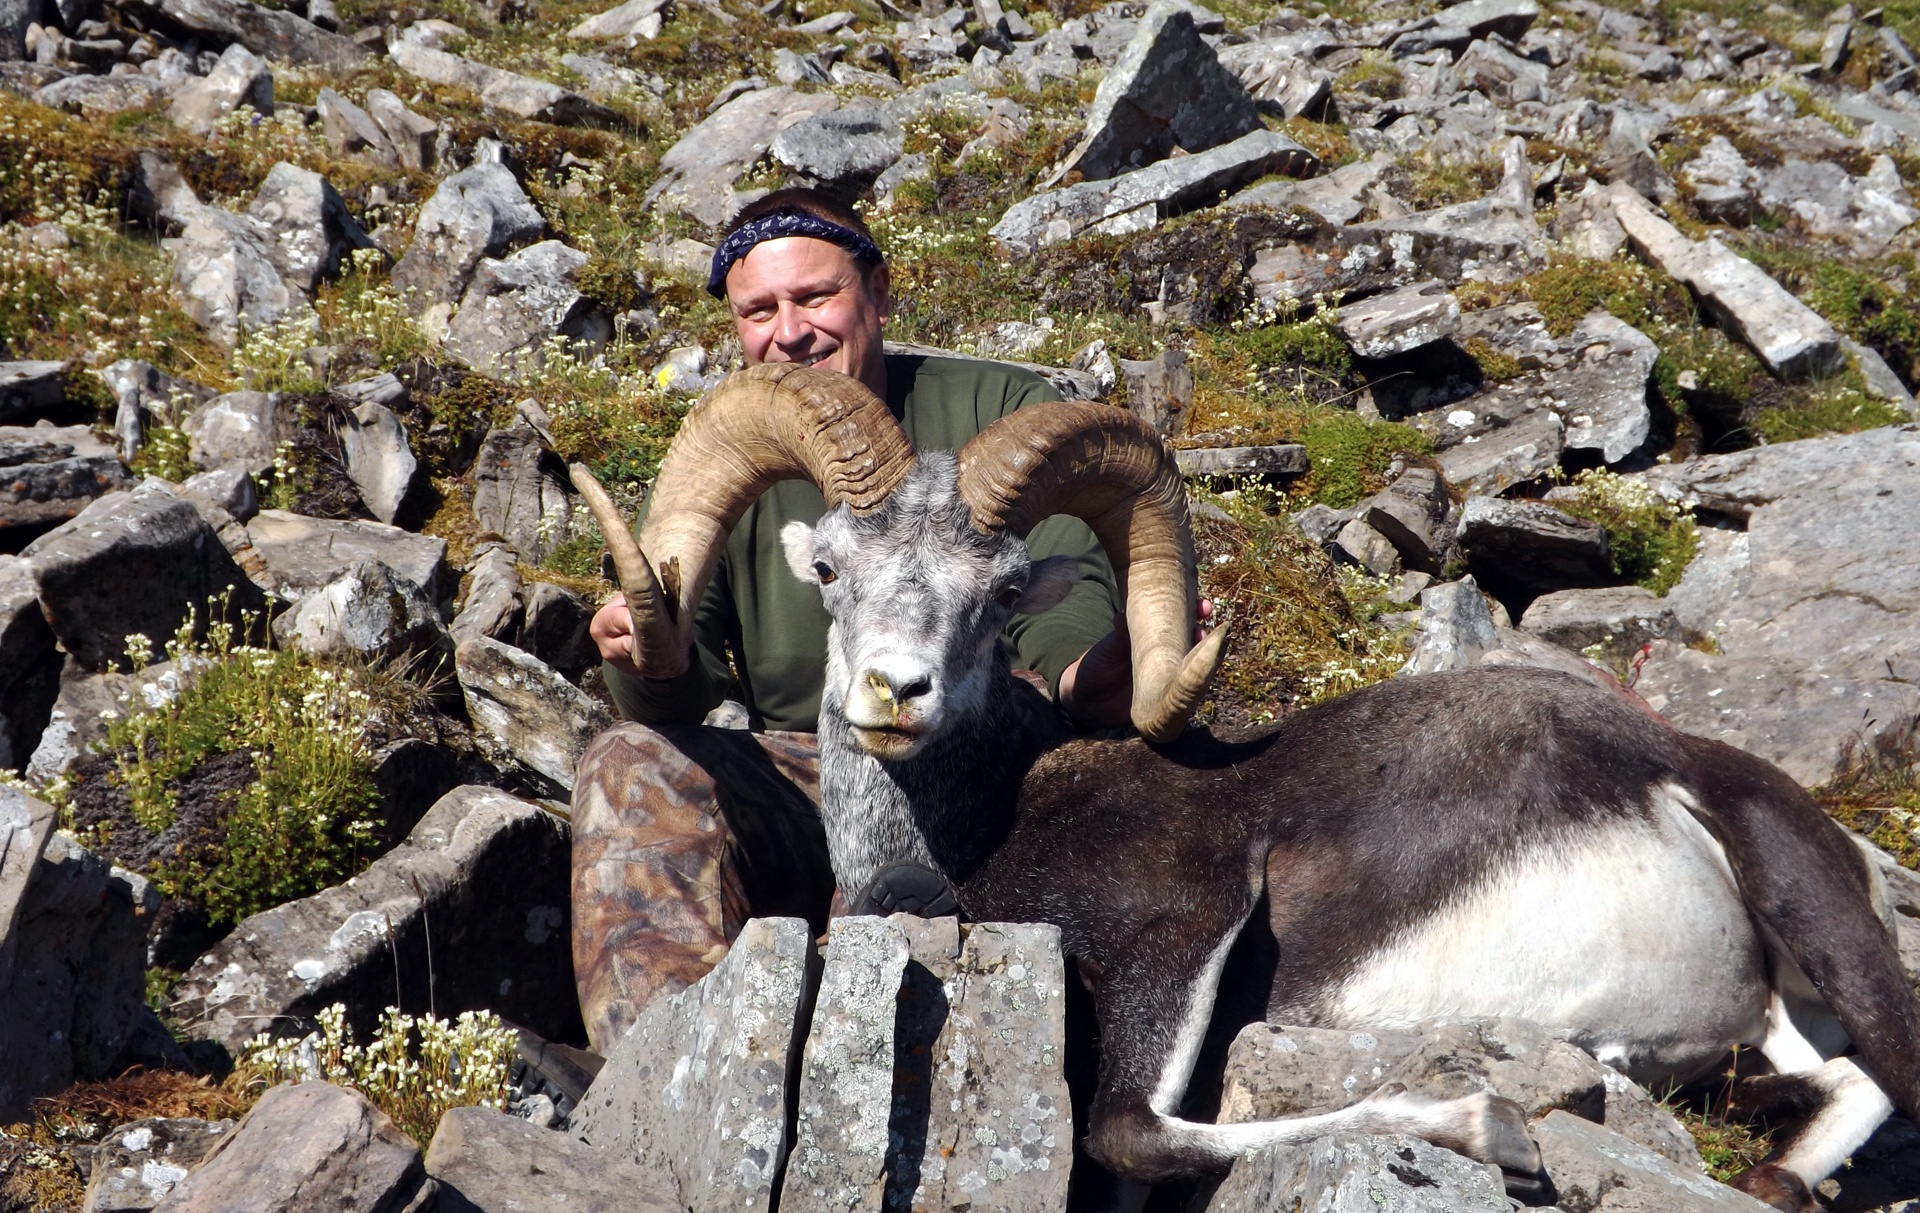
(1484, 843)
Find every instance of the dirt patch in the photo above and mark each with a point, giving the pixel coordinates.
(203, 800)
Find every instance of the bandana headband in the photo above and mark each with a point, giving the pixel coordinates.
(779, 225)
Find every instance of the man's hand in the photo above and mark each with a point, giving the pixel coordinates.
(612, 632)
(1097, 690)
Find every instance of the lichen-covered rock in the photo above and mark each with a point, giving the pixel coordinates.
(1595, 1170)
(542, 721)
(698, 1088)
(136, 1165)
(1377, 1173)
(481, 882)
(477, 212)
(838, 1163)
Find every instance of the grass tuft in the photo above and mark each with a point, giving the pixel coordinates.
(1650, 540)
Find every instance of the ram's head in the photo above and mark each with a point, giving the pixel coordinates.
(921, 560)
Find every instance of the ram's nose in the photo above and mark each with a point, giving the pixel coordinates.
(889, 696)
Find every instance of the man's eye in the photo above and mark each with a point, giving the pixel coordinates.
(1008, 596)
(824, 573)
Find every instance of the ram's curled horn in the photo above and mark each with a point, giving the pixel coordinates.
(777, 421)
(1107, 467)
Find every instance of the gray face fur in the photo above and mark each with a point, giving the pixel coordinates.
(919, 599)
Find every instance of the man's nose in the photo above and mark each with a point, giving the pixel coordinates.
(791, 327)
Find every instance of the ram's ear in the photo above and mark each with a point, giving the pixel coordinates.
(796, 540)
(1048, 582)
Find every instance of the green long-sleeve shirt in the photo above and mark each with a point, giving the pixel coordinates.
(775, 626)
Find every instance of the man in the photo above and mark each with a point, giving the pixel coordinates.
(683, 832)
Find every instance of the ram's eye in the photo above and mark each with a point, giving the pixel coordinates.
(825, 574)
(1008, 596)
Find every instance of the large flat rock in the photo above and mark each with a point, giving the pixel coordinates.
(50, 473)
(302, 555)
(1139, 200)
(491, 1162)
(148, 541)
(698, 173)
(1815, 608)
(698, 1089)
(481, 881)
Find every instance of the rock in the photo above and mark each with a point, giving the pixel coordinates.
(640, 18)
(723, 1044)
(1624, 618)
(31, 390)
(1723, 183)
(1594, 1168)
(1524, 443)
(147, 538)
(1456, 629)
(307, 1147)
(76, 721)
(1411, 514)
(382, 465)
(29, 669)
(226, 272)
(1790, 339)
(239, 78)
(137, 1164)
(306, 224)
(540, 718)
(846, 1076)
(272, 33)
(697, 174)
(51, 473)
(368, 613)
(72, 934)
(1139, 200)
(843, 149)
(507, 92)
(1400, 321)
(1602, 398)
(1159, 390)
(979, 1090)
(521, 491)
(143, 392)
(478, 212)
(1880, 378)
(1286, 459)
(555, 629)
(1870, 210)
(790, 67)
(1335, 197)
(411, 135)
(1507, 18)
(1808, 606)
(492, 607)
(490, 1162)
(1490, 239)
(1380, 1173)
(1360, 545)
(1277, 78)
(481, 882)
(1166, 90)
(100, 96)
(1501, 75)
(300, 555)
(1070, 382)
(518, 304)
(243, 430)
(1522, 549)
(351, 131)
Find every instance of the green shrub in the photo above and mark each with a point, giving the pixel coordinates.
(1314, 344)
(1649, 540)
(301, 823)
(1348, 456)
(165, 454)
(414, 1070)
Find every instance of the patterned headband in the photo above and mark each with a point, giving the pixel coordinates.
(776, 226)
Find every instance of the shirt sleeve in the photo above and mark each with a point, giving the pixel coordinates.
(1051, 641)
(708, 678)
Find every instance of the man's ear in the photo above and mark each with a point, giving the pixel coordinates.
(1048, 582)
(880, 290)
(796, 540)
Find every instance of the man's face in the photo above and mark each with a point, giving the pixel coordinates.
(797, 299)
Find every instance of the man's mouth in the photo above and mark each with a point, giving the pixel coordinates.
(816, 359)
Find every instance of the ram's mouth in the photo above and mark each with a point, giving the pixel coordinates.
(888, 741)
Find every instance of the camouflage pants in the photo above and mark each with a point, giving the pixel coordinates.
(680, 835)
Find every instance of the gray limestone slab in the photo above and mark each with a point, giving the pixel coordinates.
(698, 1088)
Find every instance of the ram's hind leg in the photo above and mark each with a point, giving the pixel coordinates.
(1842, 1104)
(1154, 1006)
